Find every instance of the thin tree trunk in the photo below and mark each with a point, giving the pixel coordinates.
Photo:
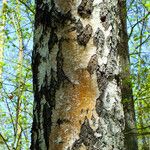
(126, 89)
(2, 37)
(76, 66)
(17, 26)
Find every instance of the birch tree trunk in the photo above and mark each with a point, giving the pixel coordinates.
(77, 73)
(2, 37)
(17, 25)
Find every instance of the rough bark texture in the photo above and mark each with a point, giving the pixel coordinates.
(76, 76)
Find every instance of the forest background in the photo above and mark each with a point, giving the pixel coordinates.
(16, 95)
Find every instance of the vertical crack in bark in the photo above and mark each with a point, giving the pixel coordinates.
(52, 40)
(61, 77)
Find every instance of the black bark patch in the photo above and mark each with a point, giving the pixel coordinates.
(46, 91)
(117, 78)
(87, 134)
(85, 9)
(50, 17)
(34, 132)
(99, 39)
(52, 40)
(52, 89)
(102, 82)
(103, 18)
(86, 137)
(35, 63)
(84, 36)
(61, 121)
(104, 15)
(99, 104)
(59, 19)
(61, 77)
(42, 15)
(92, 65)
(101, 79)
(79, 26)
(47, 112)
(111, 41)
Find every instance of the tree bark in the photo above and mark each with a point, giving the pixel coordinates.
(77, 70)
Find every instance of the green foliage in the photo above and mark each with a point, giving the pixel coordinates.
(17, 76)
(140, 71)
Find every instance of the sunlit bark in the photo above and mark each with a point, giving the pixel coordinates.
(77, 75)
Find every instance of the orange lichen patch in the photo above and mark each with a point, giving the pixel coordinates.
(73, 104)
(75, 100)
(75, 56)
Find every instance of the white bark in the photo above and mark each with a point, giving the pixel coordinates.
(76, 70)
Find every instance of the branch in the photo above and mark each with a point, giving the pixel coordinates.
(138, 23)
(143, 42)
(27, 6)
(5, 141)
(130, 131)
(130, 5)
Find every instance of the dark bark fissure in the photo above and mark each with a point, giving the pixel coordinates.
(84, 35)
(61, 77)
(86, 137)
(99, 39)
(102, 84)
(52, 40)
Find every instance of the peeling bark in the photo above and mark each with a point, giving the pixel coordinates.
(76, 76)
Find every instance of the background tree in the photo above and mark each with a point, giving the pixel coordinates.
(139, 35)
(16, 102)
(2, 37)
